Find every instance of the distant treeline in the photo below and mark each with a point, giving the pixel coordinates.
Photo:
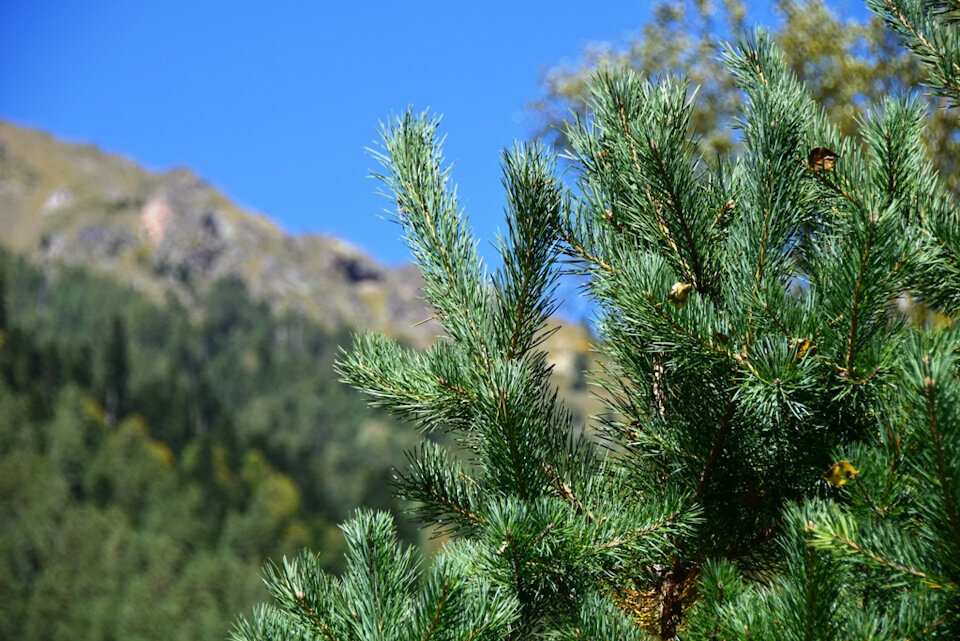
(152, 457)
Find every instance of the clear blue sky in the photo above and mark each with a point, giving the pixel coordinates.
(274, 102)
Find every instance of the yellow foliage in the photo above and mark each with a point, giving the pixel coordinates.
(678, 294)
(93, 410)
(256, 469)
(296, 536)
(279, 496)
(805, 346)
(221, 466)
(839, 473)
(161, 452)
(135, 424)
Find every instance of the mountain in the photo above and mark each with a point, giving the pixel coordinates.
(171, 233)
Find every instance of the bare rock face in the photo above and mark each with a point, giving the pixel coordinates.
(60, 198)
(173, 232)
(155, 219)
(357, 269)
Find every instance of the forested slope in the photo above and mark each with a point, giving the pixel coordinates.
(149, 463)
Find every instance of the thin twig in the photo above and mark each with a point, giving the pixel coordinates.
(722, 430)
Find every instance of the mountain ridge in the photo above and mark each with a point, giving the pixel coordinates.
(171, 232)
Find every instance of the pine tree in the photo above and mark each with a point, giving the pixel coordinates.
(780, 458)
(3, 302)
(116, 368)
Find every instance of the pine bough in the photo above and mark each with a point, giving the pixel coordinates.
(780, 458)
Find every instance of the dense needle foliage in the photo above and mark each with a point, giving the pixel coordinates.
(781, 454)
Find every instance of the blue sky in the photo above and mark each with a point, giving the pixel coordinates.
(274, 102)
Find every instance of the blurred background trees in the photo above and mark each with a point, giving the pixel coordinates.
(150, 461)
(846, 62)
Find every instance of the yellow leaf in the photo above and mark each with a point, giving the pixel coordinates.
(839, 473)
(678, 294)
(805, 346)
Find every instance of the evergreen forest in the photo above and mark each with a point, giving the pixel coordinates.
(151, 460)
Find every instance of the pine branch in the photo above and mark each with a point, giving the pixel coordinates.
(583, 253)
(637, 534)
(323, 627)
(511, 435)
(855, 300)
(526, 281)
(675, 204)
(435, 228)
(913, 20)
(929, 385)
(715, 450)
(435, 619)
(851, 545)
